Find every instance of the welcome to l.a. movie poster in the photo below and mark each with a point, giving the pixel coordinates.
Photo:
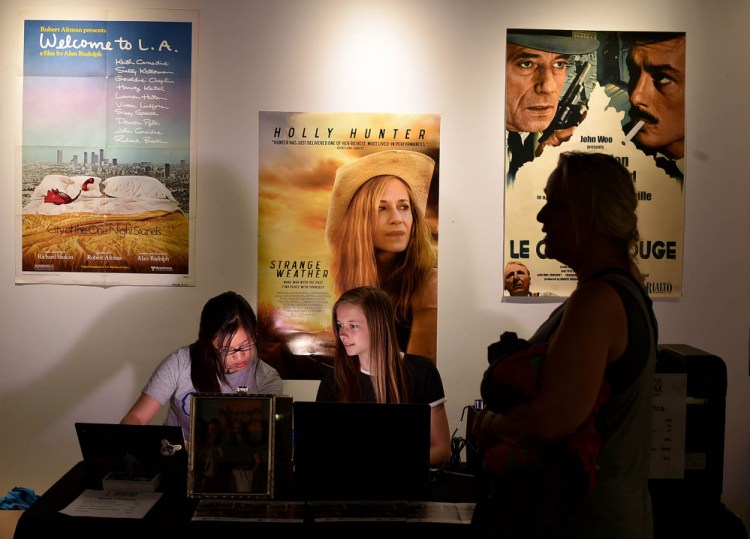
(620, 93)
(106, 166)
(312, 167)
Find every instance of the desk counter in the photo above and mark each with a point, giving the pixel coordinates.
(172, 516)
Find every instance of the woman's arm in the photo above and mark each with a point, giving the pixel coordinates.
(440, 442)
(143, 411)
(423, 334)
(592, 332)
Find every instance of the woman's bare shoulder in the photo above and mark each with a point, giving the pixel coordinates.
(427, 297)
(595, 312)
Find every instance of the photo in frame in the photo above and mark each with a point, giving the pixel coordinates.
(233, 439)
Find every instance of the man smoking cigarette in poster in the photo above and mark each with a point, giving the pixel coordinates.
(656, 90)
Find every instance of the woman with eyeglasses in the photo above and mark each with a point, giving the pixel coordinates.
(222, 360)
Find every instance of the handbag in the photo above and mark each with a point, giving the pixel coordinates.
(511, 379)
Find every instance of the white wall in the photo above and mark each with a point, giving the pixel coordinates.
(73, 353)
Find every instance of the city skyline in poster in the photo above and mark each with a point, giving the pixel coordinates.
(106, 161)
(299, 156)
(596, 98)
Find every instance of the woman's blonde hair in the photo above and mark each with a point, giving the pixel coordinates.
(353, 260)
(606, 198)
(386, 365)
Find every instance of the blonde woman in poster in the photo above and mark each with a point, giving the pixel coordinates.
(378, 235)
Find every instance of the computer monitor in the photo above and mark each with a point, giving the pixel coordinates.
(361, 451)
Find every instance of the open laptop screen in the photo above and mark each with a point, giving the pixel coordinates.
(112, 447)
(361, 451)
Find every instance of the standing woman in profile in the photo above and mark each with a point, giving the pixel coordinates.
(589, 416)
(222, 359)
(368, 366)
(378, 235)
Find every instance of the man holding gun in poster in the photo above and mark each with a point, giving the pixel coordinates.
(535, 116)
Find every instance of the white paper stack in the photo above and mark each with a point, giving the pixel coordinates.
(139, 481)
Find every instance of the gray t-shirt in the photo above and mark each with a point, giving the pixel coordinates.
(171, 382)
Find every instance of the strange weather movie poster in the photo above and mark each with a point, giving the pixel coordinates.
(327, 202)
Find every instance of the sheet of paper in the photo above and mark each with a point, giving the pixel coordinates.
(112, 504)
(668, 426)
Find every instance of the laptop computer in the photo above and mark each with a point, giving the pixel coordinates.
(361, 451)
(137, 449)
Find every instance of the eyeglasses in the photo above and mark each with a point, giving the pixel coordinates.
(247, 347)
